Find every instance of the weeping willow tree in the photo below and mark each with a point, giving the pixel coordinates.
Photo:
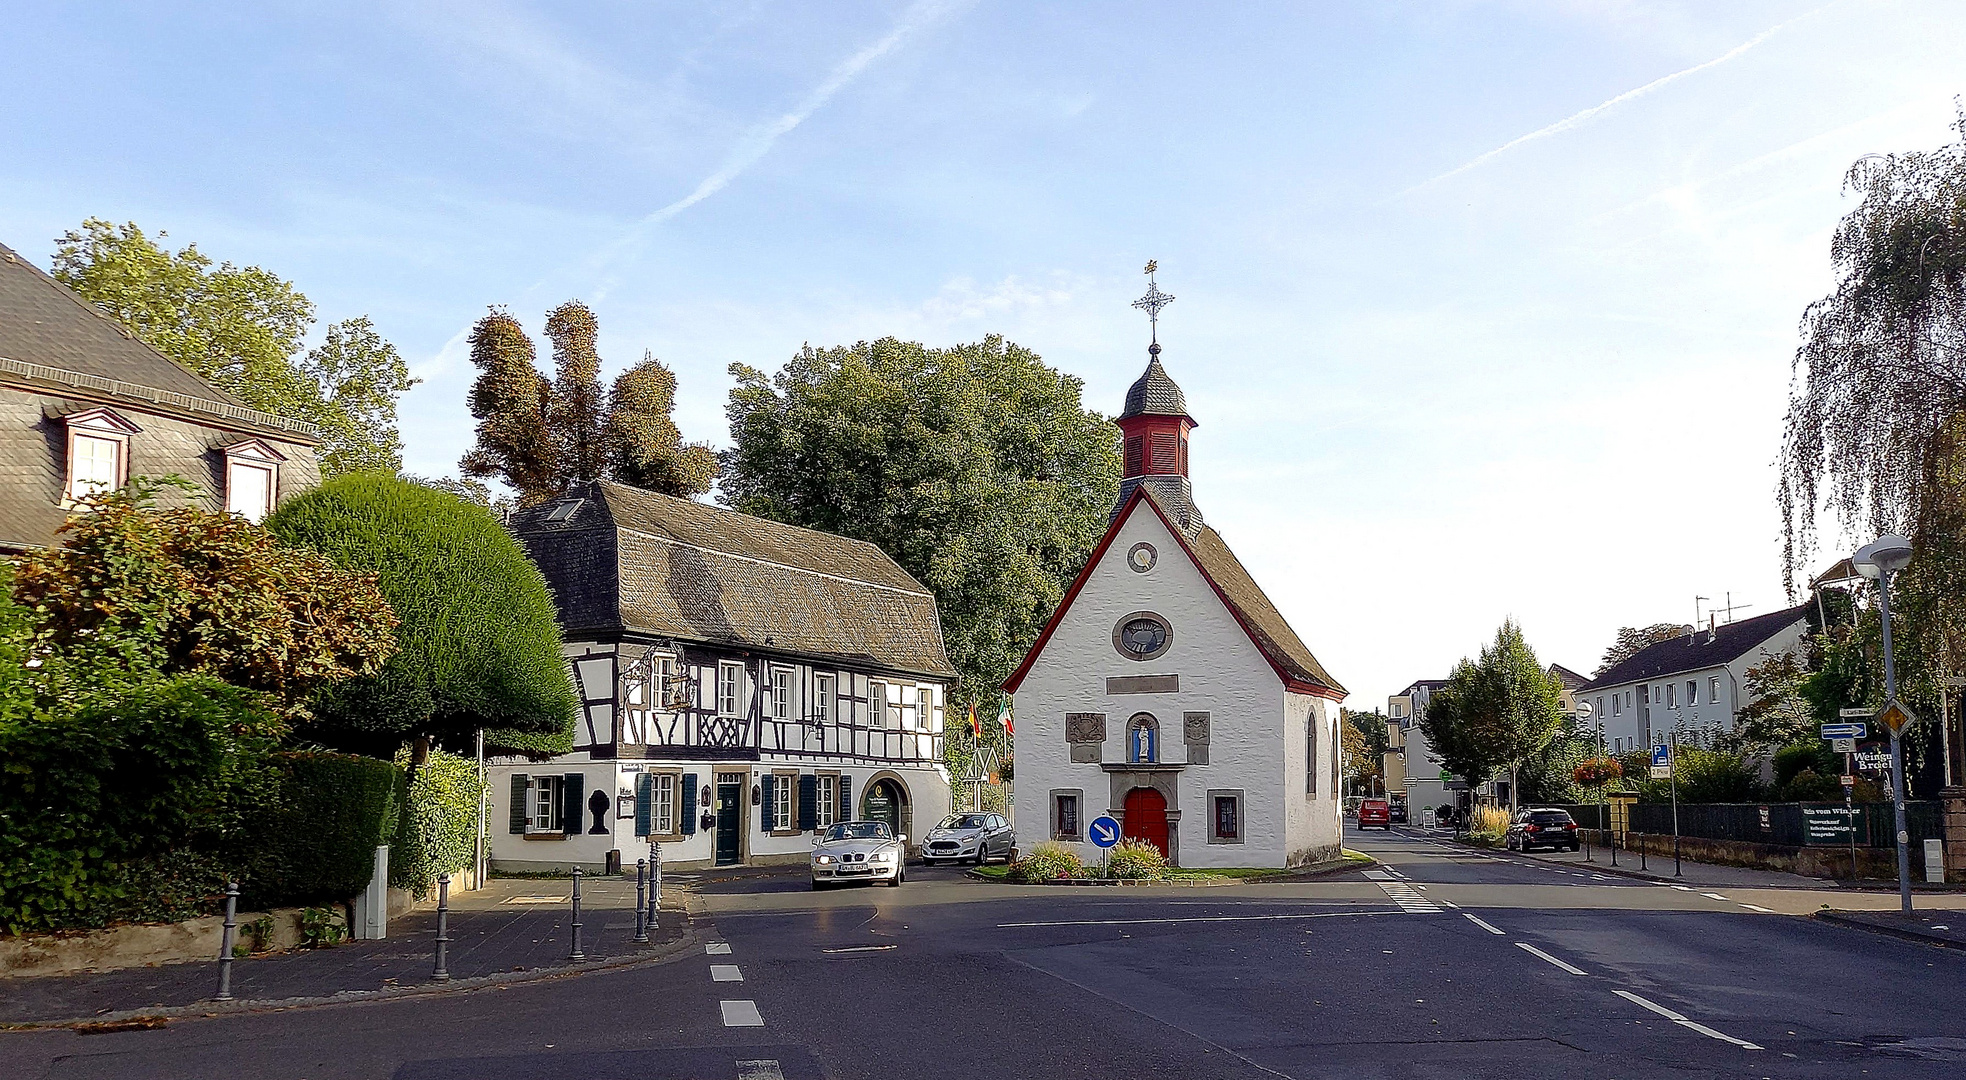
(1875, 438)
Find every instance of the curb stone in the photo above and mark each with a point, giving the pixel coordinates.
(1903, 933)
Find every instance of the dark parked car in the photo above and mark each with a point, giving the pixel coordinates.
(1549, 828)
(1375, 812)
(1398, 811)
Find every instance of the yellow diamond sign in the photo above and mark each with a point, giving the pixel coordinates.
(1894, 717)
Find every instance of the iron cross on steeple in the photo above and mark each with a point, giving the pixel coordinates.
(1151, 304)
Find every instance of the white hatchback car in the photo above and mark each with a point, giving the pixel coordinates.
(858, 851)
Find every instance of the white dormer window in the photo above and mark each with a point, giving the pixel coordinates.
(252, 478)
(98, 454)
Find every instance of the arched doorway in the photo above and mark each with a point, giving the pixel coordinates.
(1146, 817)
(886, 800)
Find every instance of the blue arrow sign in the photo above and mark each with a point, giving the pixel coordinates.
(1846, 731)
(1104, 831)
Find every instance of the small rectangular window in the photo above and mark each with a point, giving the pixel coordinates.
(1068, 817)
(877, 704)
(1672, 698)
(662, 804)
(1617, 704)
(1228, 824)
(925, 708)
(822, 699)
(662, 681)
(94, 465)
(544, 805)
(248, 490)
(1310, 755)
(1692, 692)
(1713, 689)
(781, 693)
(781, 802)
(1165, 451)
(729, 677)
(826, 802)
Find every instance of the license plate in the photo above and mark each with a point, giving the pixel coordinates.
(856, 870)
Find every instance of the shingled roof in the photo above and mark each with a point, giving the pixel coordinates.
(623, 560)
(1155, 393)
(1704, 649)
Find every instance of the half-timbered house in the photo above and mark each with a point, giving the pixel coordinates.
(744, 683)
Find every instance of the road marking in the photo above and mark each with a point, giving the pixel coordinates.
(1449, 904)
(1534, 951)
(1408, 900)
(759, 1070)
(1757, 907)
(717, 948)
(1483, 925)
(1684, 1022)
(861, 948)
(741, 1014)
(1713, 896)
(1189, 919)
(725, 973)
(1682, 888)
(536, 899)
(1377, 875)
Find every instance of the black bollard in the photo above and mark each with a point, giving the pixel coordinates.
(225, 941)
(641, 902)
(576, 954)
(443, 972)
(655, 884)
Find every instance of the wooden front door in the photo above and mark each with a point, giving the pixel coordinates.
(1146, 817)
(730, 821)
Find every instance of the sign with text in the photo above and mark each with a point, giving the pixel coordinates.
(1828, 823)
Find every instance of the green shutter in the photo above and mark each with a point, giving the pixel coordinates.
(808, 802)
(686, 811)
(846, 798)
(521, 786)
(573, 803)
(770, 819)
(644, 803)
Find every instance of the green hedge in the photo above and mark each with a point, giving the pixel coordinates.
(438, 820)
(316, 843)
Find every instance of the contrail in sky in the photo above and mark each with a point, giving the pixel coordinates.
(1577, 120)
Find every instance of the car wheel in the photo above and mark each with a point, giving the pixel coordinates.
(899, 874)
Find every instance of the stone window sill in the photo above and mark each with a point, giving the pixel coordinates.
(546, 836)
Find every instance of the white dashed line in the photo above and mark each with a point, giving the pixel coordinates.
(741, 1014)
(1682, 888)
(861, 948)
(725, 973)
(1757, 907)
(1684, 1022)
(1713, 896)
(1480, 923)
(1534, 951)
(1189, 919)
(759, 1070)
(717, 948)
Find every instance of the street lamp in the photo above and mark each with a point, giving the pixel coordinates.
(1878, 560)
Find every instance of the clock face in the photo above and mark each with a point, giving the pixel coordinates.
(1143, 637)
(1141, 558)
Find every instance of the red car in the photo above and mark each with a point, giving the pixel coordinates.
(1375, 812)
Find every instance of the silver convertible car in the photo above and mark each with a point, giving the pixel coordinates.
(858, 851)
(981, 837)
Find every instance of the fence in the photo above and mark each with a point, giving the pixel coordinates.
(1780, 824)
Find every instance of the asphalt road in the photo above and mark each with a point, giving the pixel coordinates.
(1441, 963)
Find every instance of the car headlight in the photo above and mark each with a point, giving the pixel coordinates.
(881, 856)
(823, 860)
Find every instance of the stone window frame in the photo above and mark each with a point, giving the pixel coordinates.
(1242, 819)
(1051, 805)
(260, 457)
(1167, 640)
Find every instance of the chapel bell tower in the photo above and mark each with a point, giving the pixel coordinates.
(1154, 429)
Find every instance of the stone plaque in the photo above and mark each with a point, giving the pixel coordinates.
(1085, 727)
(1194, 728)
(1144, 684)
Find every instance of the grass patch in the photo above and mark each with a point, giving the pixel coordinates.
(994, 873)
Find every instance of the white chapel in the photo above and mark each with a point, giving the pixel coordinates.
(1167, 690)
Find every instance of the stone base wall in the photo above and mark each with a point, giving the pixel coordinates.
(1873, 864)
(1954, 799)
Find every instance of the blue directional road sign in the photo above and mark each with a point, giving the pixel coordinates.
(1846, 731)
(1104, 831)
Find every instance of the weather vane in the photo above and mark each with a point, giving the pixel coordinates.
(1151, 304)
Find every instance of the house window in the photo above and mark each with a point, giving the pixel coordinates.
(1600, 705)
(729, 677)
(1672, 697)
(1065, 815)
(1692, 695)
(876, 704)
(662, 680)
(1143, 739)
(1617, 702)
(826, 800)
(781, 801)
(543, 805)
(95, 465)
(1713, 689)
(781, 693)
(248, 490)
(822, 699)
(1396, 710)
(1225, 817)
(662, 804)
(1310, 754)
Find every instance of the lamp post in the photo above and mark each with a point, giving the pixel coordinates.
(1878, 560)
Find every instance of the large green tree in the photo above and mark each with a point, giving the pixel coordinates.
(1633, 639)
(540, 436)
(1500, 710)
(243, 329)
(975, 467)
(479, 641)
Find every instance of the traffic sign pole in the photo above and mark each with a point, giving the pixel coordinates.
(1897, 751)
(1674, 774)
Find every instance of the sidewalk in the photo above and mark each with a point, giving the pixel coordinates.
(1943, 928)
(511, 927)
(1659, 868)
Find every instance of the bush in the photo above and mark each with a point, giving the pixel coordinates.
(1814, 755)
(1135, 860)
(316, 841)
(1810, 786)
(1489, 822)
(1707, 776)
(1047, 862)
(437, 824)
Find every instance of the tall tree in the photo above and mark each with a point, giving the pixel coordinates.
(539, 436)
(1499, 711)
(975, 467)
(1632, 639)
(1365, 742)
(242, 329)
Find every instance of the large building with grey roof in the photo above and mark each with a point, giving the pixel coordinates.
(745, 684)
(85, 406)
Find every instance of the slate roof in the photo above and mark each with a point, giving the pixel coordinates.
(1570, 679)
(623, 560)
(1154, 393)
(1725, 645)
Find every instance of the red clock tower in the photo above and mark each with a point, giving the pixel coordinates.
(1154, 427)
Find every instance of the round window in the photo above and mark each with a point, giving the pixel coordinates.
(1142, 635)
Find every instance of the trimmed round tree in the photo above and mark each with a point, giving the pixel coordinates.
(479, 643)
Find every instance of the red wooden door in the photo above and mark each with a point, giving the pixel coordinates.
(1146, 817)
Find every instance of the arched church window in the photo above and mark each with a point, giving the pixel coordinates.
(1143, 739)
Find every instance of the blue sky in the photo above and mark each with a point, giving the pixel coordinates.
(1485, 309)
